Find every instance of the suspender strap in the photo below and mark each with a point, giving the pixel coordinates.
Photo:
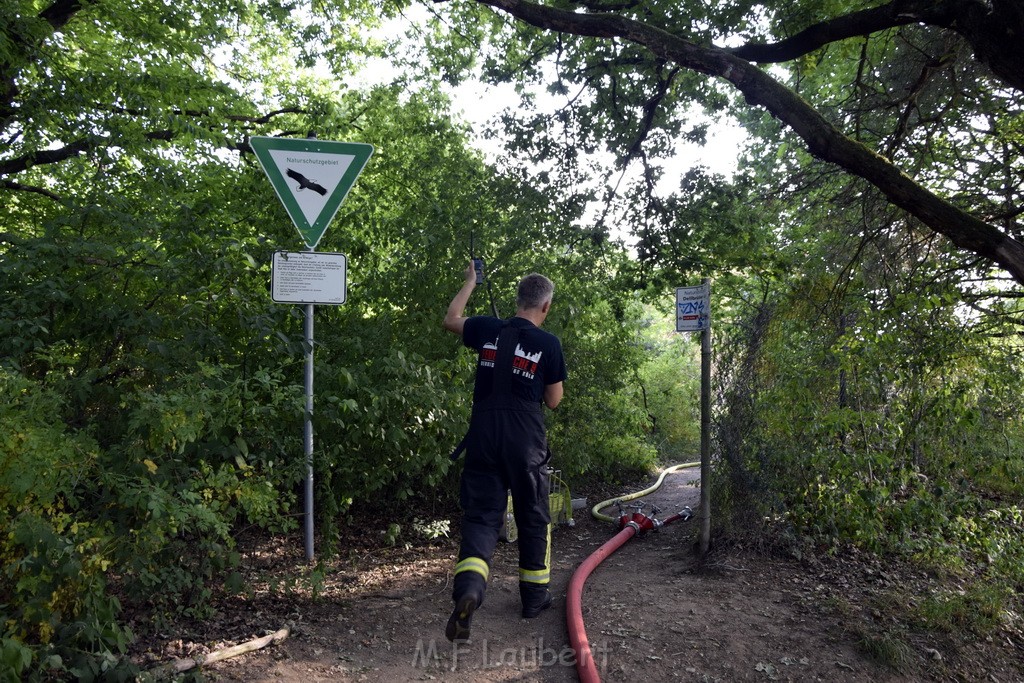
(508, 340)
(460, 447)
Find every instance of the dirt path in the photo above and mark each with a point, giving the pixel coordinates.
(650, 617)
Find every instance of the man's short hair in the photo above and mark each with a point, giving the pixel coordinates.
(534, 290)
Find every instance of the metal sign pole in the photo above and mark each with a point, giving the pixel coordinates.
(309, 432)
(311, 178)
(705, 435)
(308, 278)
(693, 314)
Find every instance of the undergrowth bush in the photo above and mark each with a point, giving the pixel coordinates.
(602, 436)
(895, 428)
(153, 514)
(55, 608)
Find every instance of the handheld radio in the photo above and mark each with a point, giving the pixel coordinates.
(478, 263)
(478, 266)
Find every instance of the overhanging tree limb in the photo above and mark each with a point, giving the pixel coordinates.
(77, 147)
(201, 114)
(11, 185)
(823, 140)
(994, 30)
(821, 34)
(73, 149)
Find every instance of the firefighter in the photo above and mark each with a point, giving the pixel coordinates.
(519, 368)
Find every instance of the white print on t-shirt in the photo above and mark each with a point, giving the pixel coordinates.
(523, 364)
(488, 353)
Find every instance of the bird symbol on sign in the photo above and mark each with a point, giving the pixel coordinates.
(305, 183)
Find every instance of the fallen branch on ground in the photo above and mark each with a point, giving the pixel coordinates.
(180, 665)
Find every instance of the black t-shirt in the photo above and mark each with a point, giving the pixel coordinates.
(537, 361)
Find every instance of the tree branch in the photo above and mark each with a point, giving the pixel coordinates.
(993, 29)
(181, 665)
(650, 110)
(928, 71)
(198, 113)
(813, 37)
(823, 140)
(11, 185)
(60, 12)
(47, 156)
(73, 149)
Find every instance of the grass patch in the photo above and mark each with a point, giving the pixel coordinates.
(888, 648)
(978, 608)
(839, 606)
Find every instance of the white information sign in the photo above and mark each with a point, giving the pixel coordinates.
(308, 277)
(693, 308)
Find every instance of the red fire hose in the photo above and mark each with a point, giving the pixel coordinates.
(574, 605)
(631, 525)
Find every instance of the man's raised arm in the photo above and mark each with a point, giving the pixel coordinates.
(453, 319)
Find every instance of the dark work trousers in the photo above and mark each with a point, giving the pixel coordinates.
(506, 450)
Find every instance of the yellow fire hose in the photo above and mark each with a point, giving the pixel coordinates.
(595, 511)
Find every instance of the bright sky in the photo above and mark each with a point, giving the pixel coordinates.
(479, 103)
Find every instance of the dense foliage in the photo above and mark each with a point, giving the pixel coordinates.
(874, 395)
(868, 372)
(630, 74)
(866, 258)
(877, 403)
(152, 393)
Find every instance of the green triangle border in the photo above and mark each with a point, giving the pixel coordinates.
(311, 233)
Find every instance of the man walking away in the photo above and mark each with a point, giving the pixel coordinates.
(519, 368)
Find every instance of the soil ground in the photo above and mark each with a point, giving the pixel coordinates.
(652, 614)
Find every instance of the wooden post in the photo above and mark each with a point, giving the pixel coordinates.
(705, 434)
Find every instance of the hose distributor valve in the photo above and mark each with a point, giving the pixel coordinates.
(638, 520)
(624, 516)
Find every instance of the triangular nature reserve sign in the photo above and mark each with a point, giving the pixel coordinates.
(311, 177)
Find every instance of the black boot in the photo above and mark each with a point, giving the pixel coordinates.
(535, 597)
(468, 594)
(459, 622)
